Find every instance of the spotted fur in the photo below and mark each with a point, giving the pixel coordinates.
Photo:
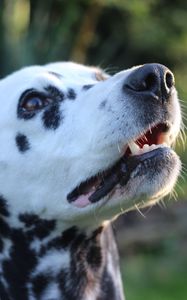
(22, 142)
(80, 119)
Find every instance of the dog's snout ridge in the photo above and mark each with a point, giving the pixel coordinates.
(151, 79)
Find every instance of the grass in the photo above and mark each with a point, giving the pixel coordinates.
(155, 277)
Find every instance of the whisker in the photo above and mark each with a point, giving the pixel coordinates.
(140, 212)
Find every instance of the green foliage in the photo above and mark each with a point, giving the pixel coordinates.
(155, 277)
(109, 32)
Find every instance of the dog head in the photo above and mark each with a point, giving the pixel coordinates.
(77, 143)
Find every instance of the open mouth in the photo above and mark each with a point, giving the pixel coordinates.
(145, 147)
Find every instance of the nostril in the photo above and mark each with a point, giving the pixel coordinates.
(169, 80)
(150, 82)
(146, 82)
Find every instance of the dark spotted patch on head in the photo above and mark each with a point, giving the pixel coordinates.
(71, 94)
(52, 117)
(55, 93)
(3, 207)
(87, 86)
(103, 104)
(37, 227)
(39, 284)
(22, 142)
(59, 76)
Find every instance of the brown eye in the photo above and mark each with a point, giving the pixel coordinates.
(35, 102)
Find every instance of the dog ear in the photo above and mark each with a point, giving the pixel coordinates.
(100, 74)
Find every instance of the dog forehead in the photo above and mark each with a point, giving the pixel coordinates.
(65, 71)
(70, 70)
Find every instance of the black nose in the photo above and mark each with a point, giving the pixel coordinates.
(152, 80)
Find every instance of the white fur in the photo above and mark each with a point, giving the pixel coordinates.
(87, 141)
(52, 262)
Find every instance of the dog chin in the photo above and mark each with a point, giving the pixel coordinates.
(146, 189)
(145, 179)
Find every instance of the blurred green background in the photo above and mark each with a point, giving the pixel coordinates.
(115, 35)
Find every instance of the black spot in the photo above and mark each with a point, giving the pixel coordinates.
(4, 228)
(42, 229)
(61, 242)
(22, 142)
(107, 289)
(73, 287)
(87, 87)
(96, 233)
(103, 104)
(71, 94)
(59, 76)
(3, 293)
(94, 252)
(40, 282)
(52, 117)
(68, 236)
(94, 256)
(74, 283)
(55, 93)
(39, 228)
(17, 269)
(78, 242)
(29, 219)
(3, 207)
(1, 245)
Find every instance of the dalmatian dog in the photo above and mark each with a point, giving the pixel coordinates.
(78, 148)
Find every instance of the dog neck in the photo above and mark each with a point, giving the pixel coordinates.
(39, 260)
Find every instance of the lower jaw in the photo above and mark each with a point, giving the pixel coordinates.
(118, 178)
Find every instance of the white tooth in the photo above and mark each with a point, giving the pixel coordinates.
(146, 146)
(153, 146)
(134, 147)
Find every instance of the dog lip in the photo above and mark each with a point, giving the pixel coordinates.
(126, 166)
(150, 154)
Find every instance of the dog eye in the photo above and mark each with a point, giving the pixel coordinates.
(35, 102)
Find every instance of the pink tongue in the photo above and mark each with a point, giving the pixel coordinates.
(82, 200)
